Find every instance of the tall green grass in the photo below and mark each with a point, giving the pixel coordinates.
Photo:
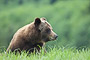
(52, 54)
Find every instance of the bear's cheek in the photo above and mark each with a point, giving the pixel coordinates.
(45, 38)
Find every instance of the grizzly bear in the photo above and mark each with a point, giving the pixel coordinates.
(32, 36)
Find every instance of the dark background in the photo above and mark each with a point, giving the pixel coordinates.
(70, 19)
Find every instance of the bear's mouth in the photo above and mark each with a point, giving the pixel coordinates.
(51, 38)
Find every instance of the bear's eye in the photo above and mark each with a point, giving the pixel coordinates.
(48, 30)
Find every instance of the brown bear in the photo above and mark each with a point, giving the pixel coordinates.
(33, 35)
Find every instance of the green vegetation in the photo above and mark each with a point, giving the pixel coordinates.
(52, 54)
(69, 19)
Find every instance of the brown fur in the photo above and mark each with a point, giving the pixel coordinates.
(30, 36)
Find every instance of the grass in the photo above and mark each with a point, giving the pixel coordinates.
(52, 54)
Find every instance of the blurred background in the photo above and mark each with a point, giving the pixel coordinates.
(70, 19)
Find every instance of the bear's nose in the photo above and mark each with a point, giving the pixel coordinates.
(56, 36)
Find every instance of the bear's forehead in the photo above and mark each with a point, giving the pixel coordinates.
(45, 23)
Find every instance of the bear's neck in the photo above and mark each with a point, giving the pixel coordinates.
(33, 36)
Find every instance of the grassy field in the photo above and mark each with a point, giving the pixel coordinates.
(69, 19)
(52, 54)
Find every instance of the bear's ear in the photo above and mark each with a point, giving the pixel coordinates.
(43, 18)
(37, 21)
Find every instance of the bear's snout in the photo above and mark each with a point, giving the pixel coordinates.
(53, 36)
(56, 36)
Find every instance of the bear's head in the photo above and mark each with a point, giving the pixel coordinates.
(45, 29)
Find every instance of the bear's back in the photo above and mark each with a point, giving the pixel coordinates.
(18, 38)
